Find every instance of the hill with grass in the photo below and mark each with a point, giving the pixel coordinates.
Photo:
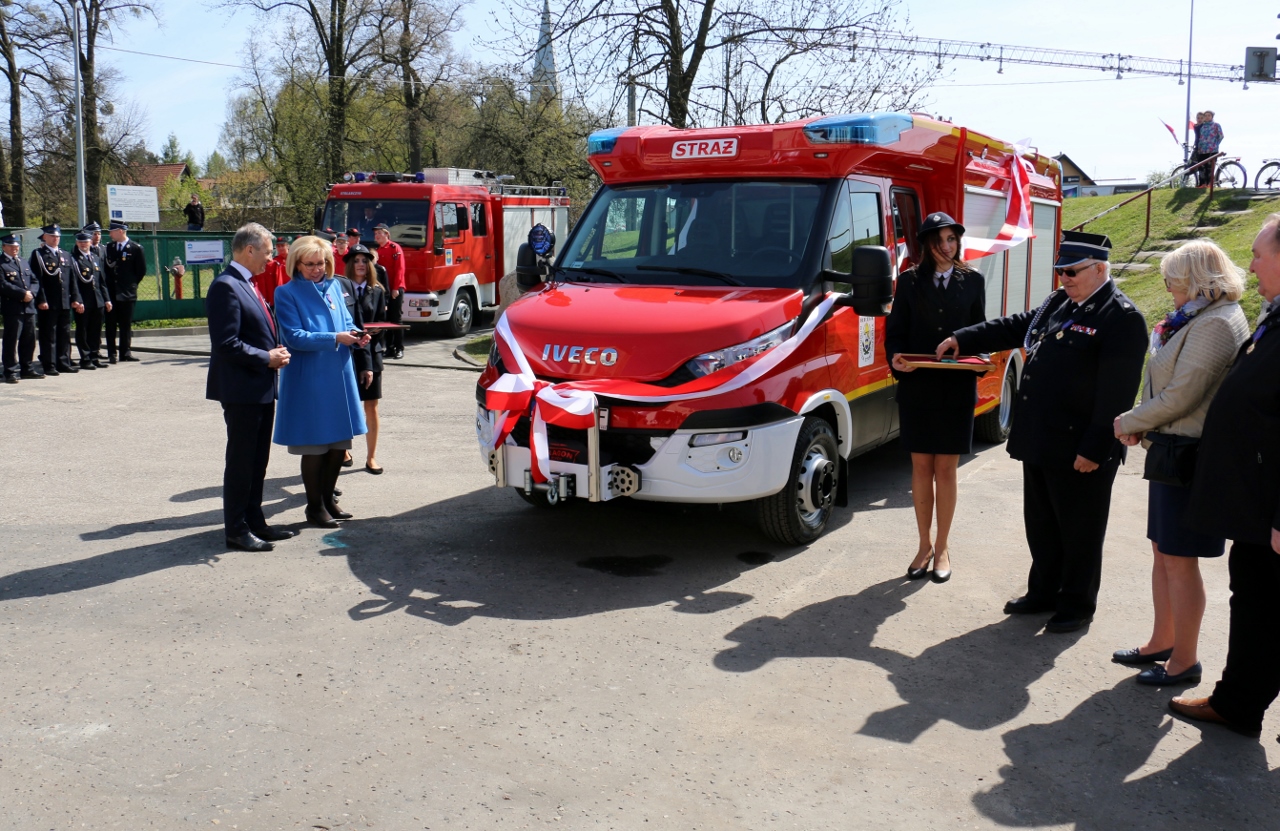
(1231, 218)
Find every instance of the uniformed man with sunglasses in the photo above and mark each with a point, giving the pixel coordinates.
(1085, 346)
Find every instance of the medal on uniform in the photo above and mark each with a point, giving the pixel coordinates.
(1059, 335)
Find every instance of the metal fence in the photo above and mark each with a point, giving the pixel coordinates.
(162, 295)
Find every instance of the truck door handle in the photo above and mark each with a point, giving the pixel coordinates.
(488, 256)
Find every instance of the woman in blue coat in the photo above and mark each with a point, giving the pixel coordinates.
(319, 412)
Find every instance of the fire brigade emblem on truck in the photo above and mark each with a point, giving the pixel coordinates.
(580, 355)
(866, 341)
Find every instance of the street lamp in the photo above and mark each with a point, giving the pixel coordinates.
(1186, 128)
(75, 60)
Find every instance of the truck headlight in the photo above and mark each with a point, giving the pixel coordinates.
(710, 362)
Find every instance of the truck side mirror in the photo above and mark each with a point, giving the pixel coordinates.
(464, 218)
(528, 269)
(871, 281)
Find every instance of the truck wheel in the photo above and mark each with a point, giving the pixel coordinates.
(798, 513)
(994, 425)
(464, 312)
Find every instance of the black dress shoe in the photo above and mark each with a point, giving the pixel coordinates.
(87, 366)
(348, 462)
(99, 365)
(1028, 606)
(111, 359)
(130, 358)
(1157, 677)
(32, 376)
(11, 379)
(51, 373)
(321, 519)
(248, 542)
(337, 513)
(68, 370)
(940, 576)
(270, 534)
(1062, 623)
(1135, 658)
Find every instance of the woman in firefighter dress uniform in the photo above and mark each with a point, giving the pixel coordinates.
(935, 406)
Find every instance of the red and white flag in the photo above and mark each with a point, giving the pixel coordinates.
(1017, 227)
(1171, 132)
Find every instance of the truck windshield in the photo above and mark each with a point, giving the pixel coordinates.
(753, 233)
(406, 218)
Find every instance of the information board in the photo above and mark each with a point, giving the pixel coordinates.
(204, 251)
(130, 203)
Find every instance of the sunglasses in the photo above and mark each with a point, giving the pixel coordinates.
(1072, 272)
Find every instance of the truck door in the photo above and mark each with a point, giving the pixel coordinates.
(477, 254)
(860, 370)
(448, 245)
(906, 221)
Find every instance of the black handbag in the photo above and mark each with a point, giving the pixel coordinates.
(1171, 460)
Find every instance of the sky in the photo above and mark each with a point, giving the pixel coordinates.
(1111, 128)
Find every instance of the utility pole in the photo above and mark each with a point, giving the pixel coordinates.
(631, 82)
(75, 60)
(1186, 124)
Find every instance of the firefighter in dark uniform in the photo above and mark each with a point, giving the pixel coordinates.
(1085, 348)
(95, 243)
(93, 297)
(18, 291)
(59, 296)
(125, 266)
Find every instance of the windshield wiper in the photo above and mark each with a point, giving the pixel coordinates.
(602, 272)
(700, 272)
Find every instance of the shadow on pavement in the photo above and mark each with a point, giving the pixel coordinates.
(1083, 772)
(977, 680)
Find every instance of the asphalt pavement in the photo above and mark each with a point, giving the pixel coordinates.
(453, 658)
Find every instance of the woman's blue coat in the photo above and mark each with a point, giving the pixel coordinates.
(319, 403)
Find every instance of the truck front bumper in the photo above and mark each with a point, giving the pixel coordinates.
(743, 464)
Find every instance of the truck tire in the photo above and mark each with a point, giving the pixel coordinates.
(464, 313)
(994, 425)
(798, 514)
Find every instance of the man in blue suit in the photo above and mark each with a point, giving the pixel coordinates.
(246, 353)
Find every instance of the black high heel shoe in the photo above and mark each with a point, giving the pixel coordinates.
(939, 576)
(923, 571)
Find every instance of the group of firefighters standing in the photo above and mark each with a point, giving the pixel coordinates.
(95, 284)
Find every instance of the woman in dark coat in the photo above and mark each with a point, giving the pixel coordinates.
(935, 406)
(371, 307)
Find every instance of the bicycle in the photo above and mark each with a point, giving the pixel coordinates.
(1268, 177)
(1230, 173)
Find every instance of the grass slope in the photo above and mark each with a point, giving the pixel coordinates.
(1229, 218)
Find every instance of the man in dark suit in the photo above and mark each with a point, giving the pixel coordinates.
(95, 244)
(94, 301)
(245, 355)
(18, 291)
(1085, 347)
(59, 296)
(125, 266)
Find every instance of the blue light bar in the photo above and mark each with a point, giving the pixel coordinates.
(603, 141)
(359, 177)
(858, 128)
(419, 177)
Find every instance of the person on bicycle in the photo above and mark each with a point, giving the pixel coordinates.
(1208, 140)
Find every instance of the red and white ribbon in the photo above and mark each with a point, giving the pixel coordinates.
(572, 404)
(1017, 227)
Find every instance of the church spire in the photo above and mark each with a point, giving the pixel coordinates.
(545, 85)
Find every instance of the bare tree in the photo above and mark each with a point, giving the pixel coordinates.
(341, 32)
(698, 62)
(412, 40)
(99, 20)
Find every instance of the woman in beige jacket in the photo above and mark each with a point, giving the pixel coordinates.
(1191, 350)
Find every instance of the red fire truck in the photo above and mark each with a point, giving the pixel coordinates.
(477, 221)
(712, 330)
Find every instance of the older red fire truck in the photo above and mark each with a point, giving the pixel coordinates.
(712, 329)
(459, 230)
